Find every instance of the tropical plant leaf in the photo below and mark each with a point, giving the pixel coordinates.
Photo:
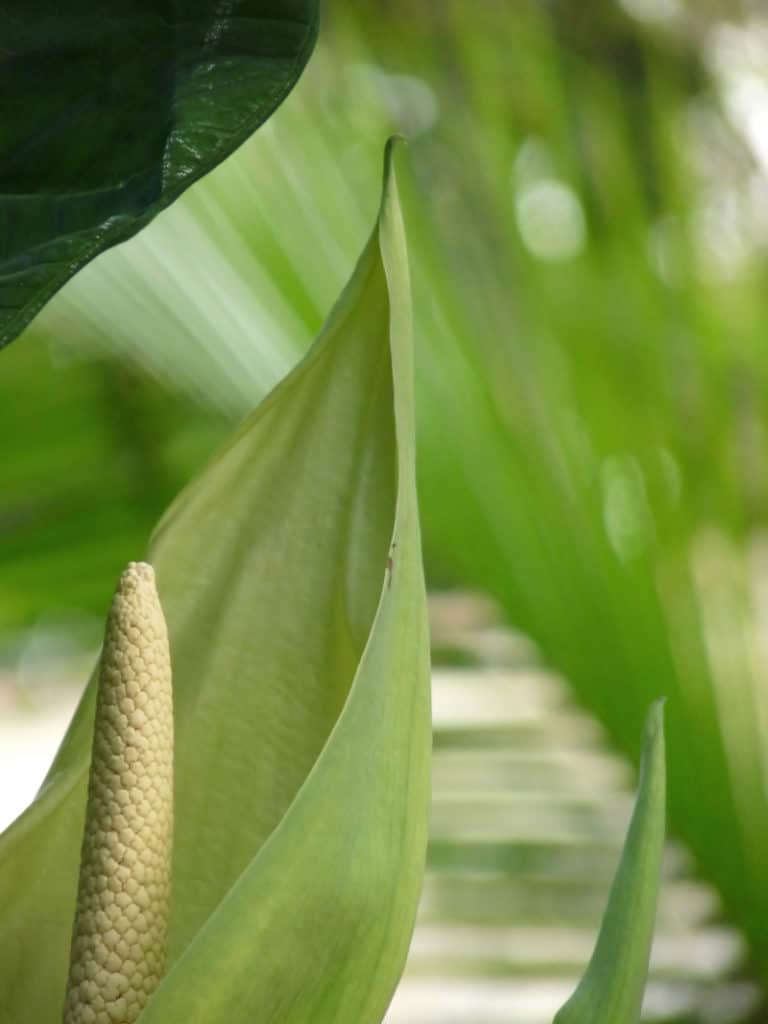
(290, 574)
(110, 112)
(611, 990)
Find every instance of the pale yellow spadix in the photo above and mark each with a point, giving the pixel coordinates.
(121, 923)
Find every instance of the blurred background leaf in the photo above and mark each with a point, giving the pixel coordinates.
(588, 217)
(109, 113)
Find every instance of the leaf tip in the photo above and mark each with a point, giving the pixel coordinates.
(654, 722)
(394, 144)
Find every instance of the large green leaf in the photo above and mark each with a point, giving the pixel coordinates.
(110, 111)
(290, 574)
(611, 990)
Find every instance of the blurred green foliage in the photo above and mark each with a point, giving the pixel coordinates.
(587, 218)
(94, 451)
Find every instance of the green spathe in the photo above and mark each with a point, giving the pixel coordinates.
(611, 990)
(301, 690)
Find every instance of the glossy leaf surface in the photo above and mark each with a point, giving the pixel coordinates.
(611, 990)
(110, 112)
(290, 575)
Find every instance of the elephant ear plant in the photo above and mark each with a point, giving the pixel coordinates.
(266, 864)
(290, 603)
(290, 579)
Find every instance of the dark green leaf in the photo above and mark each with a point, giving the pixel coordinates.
(109, 112)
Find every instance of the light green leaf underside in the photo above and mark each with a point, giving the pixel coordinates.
(611, 990)
(301, 700)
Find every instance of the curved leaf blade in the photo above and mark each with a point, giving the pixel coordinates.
(317, 925)
(611, 990)
(301, 681)
(109, 113)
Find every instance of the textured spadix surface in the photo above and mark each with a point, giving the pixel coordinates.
(120, 938)
(290, 576)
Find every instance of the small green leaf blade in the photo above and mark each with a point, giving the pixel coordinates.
(290, 575)
(611, 989)
(112, 111)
